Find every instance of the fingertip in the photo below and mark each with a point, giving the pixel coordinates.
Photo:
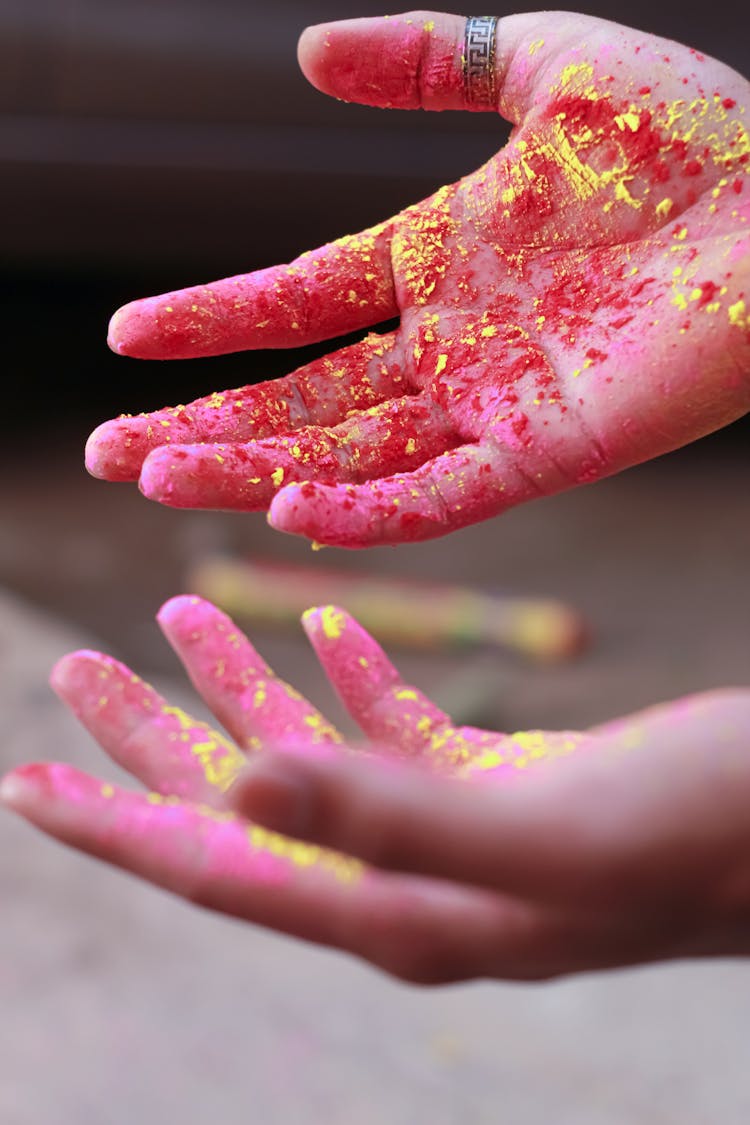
(402, 61)
(337, 636)
(98, 452)
(186, 618)
(310, 621)
(371, 60)
(327, 514)
(115, 450)
(194, 475)
(128, 330)
(76, 670)
(283, 508)
(325, 621)
(20, 787)
(154, 328)
(61, 672)
(175, 609)
(154, 481)
(115, 333)
(13, 790)
(311, 48)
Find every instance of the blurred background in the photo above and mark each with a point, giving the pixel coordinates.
(147, 145)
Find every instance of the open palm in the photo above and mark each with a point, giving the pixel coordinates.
(181, 833)
(579, 304)
(436, 852)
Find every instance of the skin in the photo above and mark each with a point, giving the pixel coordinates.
(437, 853)
(578, 305)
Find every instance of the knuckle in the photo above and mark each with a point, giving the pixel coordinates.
(414, 959)
(375, 835)
(383, 845)
(401, 938)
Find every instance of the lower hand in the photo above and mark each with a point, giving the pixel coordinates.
(435, 852)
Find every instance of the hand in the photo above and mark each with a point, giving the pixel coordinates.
(462, 853)
(578, 305)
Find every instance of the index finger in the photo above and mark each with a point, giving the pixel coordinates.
(255, 705)
(392, 713)
(425, 931)
(339, 288)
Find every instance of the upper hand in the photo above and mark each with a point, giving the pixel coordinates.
(579, 304)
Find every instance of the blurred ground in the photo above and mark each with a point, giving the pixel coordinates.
(121, 1004)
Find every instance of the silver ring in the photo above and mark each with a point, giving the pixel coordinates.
(479, 61)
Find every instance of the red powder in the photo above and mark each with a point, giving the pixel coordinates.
(729, 103)
(640, 286)
(410, 520)
(644, 147)
(708, 292)
(519, 425)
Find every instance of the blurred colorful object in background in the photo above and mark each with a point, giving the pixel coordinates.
(397, 610)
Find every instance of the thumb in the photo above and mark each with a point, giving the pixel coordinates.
(432, 60)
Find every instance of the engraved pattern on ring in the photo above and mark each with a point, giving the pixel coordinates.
(479, 60)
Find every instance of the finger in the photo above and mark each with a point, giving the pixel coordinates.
(468, 484)
(410, 61)
(161, 745)
(397, 716)
(433, 60)
(321, 393)
(536, 837)
(201, 854)
(415, 929)
(339, 288)
(394, 436)
(250, 701)
(631, 823)
(392, 713)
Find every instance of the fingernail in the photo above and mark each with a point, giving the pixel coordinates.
(272, 793)
(19, 784)
(10, 791)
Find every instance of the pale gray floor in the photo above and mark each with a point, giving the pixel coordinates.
(119, 1004)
